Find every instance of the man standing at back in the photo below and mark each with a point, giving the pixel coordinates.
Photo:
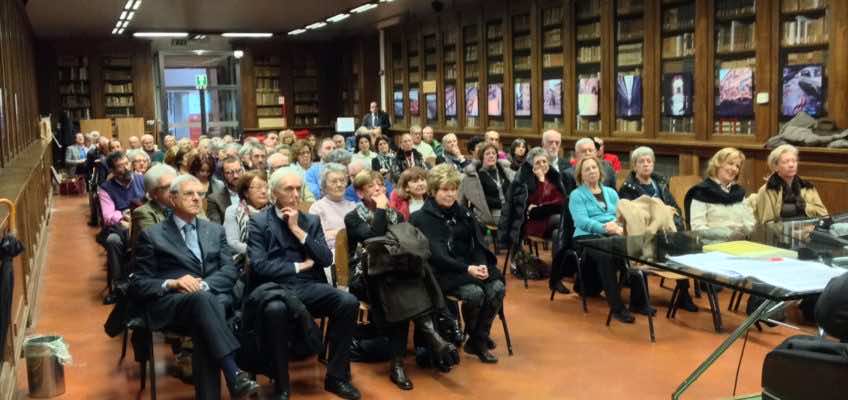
(185, 280)
(287, 247)
(376, 118)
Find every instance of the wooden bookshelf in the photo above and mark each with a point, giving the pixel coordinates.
(118, 89)
(269, 111)
(74, 88)
(629, 67)
(306, 99)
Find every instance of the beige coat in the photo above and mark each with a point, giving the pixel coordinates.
(643, 218)
(768, 202)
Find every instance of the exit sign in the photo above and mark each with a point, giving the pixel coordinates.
(201, 81)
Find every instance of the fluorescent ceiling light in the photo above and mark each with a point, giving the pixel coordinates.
(317, 25)
(161, 34)
(130, 15)
(123, 15)
(126, 24)
(338, 17)
(137, 5)
(128, 5)
(386, 1)
(115, 31)
(297, 32)
(121, 31)
(363, 8)
(247, 34)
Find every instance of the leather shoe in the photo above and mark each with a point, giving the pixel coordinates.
(685, 302)
(559, 287)
(480, 350)
(624, 316)
(243, 386)
(284, 395)
(490, 344)
(644, 310)
(343, 389)
(398, 375)
(441, 348)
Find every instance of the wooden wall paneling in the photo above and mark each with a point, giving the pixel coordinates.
(126, 127)
(774, 86)
(369, 74)
(144, 88)
(102, 125)
(704, 61)
(569, 85)
(837, 73)
(766, 68)
(608, 79)
(651, 95)
(329, 85)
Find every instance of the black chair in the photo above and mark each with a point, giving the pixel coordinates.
(805, 367)
(458, 304)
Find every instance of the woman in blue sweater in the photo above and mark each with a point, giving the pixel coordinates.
(593, 207)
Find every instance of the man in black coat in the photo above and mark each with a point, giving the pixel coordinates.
(288, 247)
(585, 148)
(218, 202)
(376, 118)
(185, 277)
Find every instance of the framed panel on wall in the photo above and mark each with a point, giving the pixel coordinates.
(398, 74)
(629, 66)
(552, 67)
(450, 71)
(471, 75)
(522, 71)
(588, 67)
(803, 58)
(735, 67)
(414, 81)
(431, 74)
(495, 70)
(677, 68)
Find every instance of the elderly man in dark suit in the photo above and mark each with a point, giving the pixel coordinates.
(218, 201)
(185, 277)
(288, 247)
(585, 148)
(157, 185)
(376, 118)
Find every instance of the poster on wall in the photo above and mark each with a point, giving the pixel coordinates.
(432, 104)
(628, 96)
(472, 106)
(414, 103)
(735, 92)
(495, 97)
(588, 90)
(552, 97)
(522, 98)
(803, 90)
(677, 94)
(398, 97)
(450, 101)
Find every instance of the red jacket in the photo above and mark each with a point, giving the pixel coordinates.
(399, 204)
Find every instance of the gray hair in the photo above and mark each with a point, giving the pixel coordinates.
(774, 157)
(232, 145)
(278, 176)
(548, 133)
(155, 174)
(330, 168)
(132, 154)
(181, 180)
(535, 152)
(640, 152)
(339, 156)
(582, 142)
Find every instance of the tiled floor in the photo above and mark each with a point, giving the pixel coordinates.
(560, 353)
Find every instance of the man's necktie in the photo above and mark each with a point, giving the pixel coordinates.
(191, 240)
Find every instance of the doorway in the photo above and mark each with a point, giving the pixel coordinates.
(190, 112)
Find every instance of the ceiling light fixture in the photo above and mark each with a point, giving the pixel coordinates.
(363, 8)
(136, 5)
(247, 34)
(115, 31)
(338, 17)
(123, 15)
(317, 25)
(126, 23)
(296, 32)
(130, 15)
(386, 1)
(121, 31)
(129, 5)
(161, 34)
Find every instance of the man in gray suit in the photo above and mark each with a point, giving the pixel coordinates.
(75, 155)
(218, 201)
(185, 277)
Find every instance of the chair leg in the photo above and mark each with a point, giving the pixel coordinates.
(506, 262)
(732, 299)
(152, 364)
(648, 302)
(662, 283)
(714, 308)
(142, 375)
(322, 358)
(675, 293)
(609, 317)
(581, 279)
(502, 316)
(553, 293)
(697, 288)
(738, 303)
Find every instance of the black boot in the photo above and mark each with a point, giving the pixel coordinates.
(398, 375)
(685, 302)
(441, 348)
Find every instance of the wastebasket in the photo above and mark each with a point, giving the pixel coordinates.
(45, 359)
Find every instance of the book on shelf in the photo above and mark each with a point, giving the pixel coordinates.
(591, 125)
(73, 88)
(589, 54)
(431, 59)
(76, 101)
(788, 6)
(470, 53)
(413, 61)
(305, 97)
(450, 72)
(305, 85)
(630, 6)
(122, 62)
(630, 29)
(677, 124)
(414, 77)
(679, 17)
(450, 56)
(628, 125)
(630, 54)
(552, 16)
(267, 98)
(804, 30)
(521, 42)
(72, 61)
(734, 126)
(111, 88)
(494, 30)
(681, 45)
(735, 8)
(301, 120)
(495, 48)
(552, 60)
(73, 74)
(735, 36)
(122, 101)
(553, 38)
(810, 57)
(267, 84)
(450, 38)
(269, 112)
(521, 63)
(588, 9)
(589, 31)
(305, 109)
(496, 68)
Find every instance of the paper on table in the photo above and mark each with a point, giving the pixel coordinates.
(790, 274)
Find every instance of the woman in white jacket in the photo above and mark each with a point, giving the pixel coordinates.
(717, 203)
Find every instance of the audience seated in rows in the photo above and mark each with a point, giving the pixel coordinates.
(395, 296)
(410, 193)
(485, 186)
(585, 148)
(148, 144)
(252, 191)
(785, 194)
(332, 208)
(364, 152)
(427, 136)
(157, 185)
(494, 138)
(517, 153)
(451, 153)
(217, 203)
(421, 146)
(384, 159)
(461, 262)
(406, 157)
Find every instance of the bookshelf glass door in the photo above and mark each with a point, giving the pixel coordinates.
(735, 67)
(588, 46)
(678, 68)
(629, 39)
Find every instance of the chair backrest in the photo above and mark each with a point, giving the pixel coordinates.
(342, 265)
(679, 185)
(620, 177)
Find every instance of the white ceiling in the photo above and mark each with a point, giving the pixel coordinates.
(96, 18)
